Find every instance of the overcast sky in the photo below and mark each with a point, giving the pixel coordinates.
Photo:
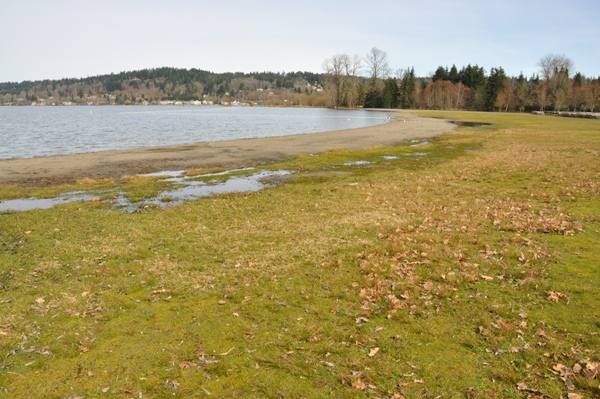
(72, 39)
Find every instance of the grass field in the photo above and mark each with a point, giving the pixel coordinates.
(463, 267)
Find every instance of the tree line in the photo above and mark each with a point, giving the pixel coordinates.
(354, 81)
(346, 81)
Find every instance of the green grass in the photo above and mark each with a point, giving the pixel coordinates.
(421, 276)
(134, 188)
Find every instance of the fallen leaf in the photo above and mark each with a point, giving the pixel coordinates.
(514, 349)
(540, 332)
(162, 291)
(523, 324)
(84, 294)
(40, 300)
(359, 385)
(236, 315)
(521, 386)
(373, 352)
(361, 320)
(570, 386)
(222, 302)
(574, 396)
(555, 296)
(563, 370)
(591, 370)
(104, 390)
(328, 364)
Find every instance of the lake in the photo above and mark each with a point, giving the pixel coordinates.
(27, 132)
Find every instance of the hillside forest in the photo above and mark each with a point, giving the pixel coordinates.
(346, 81)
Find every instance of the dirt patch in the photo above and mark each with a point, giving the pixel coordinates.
(225, 154)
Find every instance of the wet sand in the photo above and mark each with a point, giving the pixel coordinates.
(227, 154)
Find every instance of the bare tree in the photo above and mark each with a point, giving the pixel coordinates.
(561, 89)
(341, 72)
(334, 76)
(552, 64)
(458, 87)
(377, 64)
(555, 70)
(352, 67)
(509, 87)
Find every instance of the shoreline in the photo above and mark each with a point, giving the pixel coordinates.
(231, 154)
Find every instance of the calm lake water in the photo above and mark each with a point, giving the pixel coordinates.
(27, 132)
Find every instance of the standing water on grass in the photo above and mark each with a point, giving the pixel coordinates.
(27, 132)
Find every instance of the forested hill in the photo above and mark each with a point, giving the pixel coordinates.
(348, 82)
(157, 84)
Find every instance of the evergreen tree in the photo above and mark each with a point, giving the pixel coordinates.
(522, 93)
(408, 89)
(390, 94)
(453, 75)
(440, 74)
(472, 76)
(373, 98)
(495, 83)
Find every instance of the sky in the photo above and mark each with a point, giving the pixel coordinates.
(74, 39)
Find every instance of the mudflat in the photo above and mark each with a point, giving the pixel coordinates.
(228, 154)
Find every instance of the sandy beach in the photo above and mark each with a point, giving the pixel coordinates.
(227, 154)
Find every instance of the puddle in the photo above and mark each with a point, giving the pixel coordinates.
(193, 189)
(165, 173)
(418, 143)
(28, 204)
(471, 124)
(415, 154)
(357, 163)
(390, 157)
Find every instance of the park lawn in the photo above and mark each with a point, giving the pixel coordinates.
(465, 266)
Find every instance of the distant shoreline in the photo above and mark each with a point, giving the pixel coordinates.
(227, 154)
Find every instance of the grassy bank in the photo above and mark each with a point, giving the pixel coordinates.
(462, 267)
